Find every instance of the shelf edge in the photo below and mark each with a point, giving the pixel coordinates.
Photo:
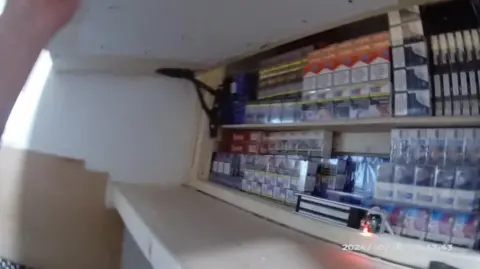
(391, 248)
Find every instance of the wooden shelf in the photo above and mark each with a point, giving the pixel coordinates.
(366, 125)
(414, 253)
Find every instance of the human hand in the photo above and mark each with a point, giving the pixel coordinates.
(43, 15)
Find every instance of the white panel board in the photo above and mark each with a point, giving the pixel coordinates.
(207, 31)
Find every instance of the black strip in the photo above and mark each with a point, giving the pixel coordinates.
(326, 206)
(323, 215)
(299, 200)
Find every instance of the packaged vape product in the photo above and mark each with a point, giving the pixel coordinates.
(379, 99)
(291, 197)
(454, 148)
(465, 229)
(463, 60)
(444, 61)
(325, 106)
(404, 15)
(425, 191)
(341, 103)
(407, 33)
(246, 185)
(404, 176)
(262, 113)
(289, 112)
(436, 146)
(455, 99)
(415, 103)
(324, 78)
(466, 185)
(279, 194)
(384, 186)
(360, 69)
(395, 217)
(275, 112)
(245, 136)
(267, 190)
(251, 114)
(410, 55)
(360, 101)
(341, 75)
(437, 75)
(440, 227)
(400, 146)
(472, 75)
(309, 106)
(309, 82)
(380, 63)
(249, 175)
(304, 176)
(472, 147)
(415, 223)
(418, 147)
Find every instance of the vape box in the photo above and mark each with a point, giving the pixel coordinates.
(284, 181)
(309, 75)
(384, 187)
(289, 112)
(436, 146)
(466, 184)
(414, 103)
(324, 78)
(360, 101)
(415, 223)
(267, 190)
(304, 176)
(256, 188)
(396, 217)
(246, 185)
(360, 69)
(404, 188)
(279, 194)
(425, 191)
(245, 136)
(410, 55)
(411, 13)
(454, 147)
(291, 197)
(472, 147)
(465, 229)
(380, 95)
(380, 57)
(407, 33)
(440, 227)
(325, 106)
(341, 72)
(341, 103)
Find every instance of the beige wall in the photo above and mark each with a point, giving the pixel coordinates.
(52, 213)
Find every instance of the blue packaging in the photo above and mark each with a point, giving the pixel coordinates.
(395, 217)
(465, 230)
(440, 227)
(415, 223)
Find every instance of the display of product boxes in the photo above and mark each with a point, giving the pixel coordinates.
(279, 177)
(438, 226)
(455, 72)
(434, 168)
(318, 142)
(362, 60)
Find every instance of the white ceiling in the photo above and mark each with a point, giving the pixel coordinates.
(194, 33)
